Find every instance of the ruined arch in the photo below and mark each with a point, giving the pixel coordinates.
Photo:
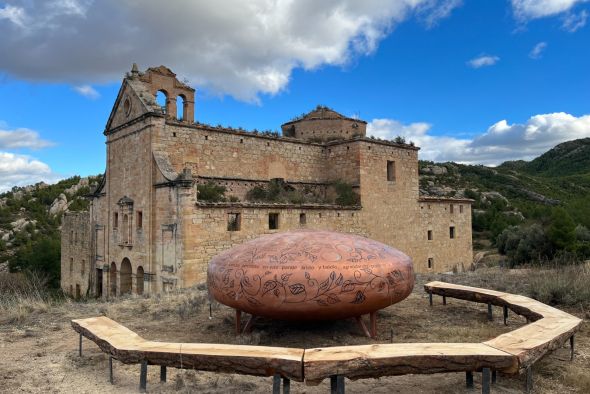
(162, 100)
(181, 107)
(125, 277)
(113, 279)
(139, 280)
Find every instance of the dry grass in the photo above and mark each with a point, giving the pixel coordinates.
(24, 295)
(567, 285)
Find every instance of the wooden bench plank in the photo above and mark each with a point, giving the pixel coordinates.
(468, 293)
(533, 341)
(372, 361)
(128, 347)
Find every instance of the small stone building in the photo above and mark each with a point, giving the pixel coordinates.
(147, 230)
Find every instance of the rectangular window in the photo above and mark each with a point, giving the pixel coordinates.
(430, 235)
(233, 222)
(430, 262)
(452, 232)
(302, 219)
(139, 220)
(116, 220)
(391, 171)
(460, 208)
(452, 208)
(273, 221)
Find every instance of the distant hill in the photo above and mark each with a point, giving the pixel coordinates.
(568, 158)
(518, 192)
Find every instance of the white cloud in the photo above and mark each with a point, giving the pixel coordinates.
(87, 91)
(501, 142)
(537, 51)
(533, 9)
(433, 11)
(21, 170)
(483, 61)
(21, 138)
(242, 48)
(573, 22)
(13, 14)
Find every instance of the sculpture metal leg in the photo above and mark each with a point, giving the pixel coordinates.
(238, 322)
(163, 373)
(143, 377)
(373, 318)
(361, 323)
(485, 381)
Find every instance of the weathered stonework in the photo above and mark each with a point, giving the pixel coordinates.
(148, 232)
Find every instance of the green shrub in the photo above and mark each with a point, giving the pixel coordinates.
(345, 195)
(211, 192)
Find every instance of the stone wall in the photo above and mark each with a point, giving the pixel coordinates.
(206, 230)
(75, 253)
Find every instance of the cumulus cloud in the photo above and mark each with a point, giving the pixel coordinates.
(500, 142)
(573, 22)
(483, 61)
(537, 51)
(533, 9)
(21, 170)
(87, 91)
(21, 138)
(236, 47)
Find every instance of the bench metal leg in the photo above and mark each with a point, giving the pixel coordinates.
(490, 316)
(494, 376)
(80, 347)
(286, 386)
(444, 300)
(505, 315)
(276, 384)
(572, 348)
(111, 370)
(143, 377)
(337, 384)
(485, 381)
(529, 380)
(469, 379)
(162, 373)
(430, 298)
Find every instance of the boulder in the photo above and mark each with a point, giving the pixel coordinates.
(59, 205)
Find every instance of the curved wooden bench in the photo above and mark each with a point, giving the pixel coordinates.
(550, 328)
(129, 348)
(509, 353)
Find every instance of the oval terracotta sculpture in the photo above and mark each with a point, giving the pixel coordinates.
(310, 275)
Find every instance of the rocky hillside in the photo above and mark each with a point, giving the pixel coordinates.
(518, 192)
(30, 218)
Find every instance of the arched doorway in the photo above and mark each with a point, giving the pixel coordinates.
(125, 277)
(113, 279)
(139, 280)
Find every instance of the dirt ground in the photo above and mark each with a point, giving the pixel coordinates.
(41, 353)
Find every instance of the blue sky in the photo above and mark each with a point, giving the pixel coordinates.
(468, 81)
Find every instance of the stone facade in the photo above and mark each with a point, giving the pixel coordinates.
(148, 232)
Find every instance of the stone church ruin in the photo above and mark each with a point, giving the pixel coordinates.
(177, 192)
